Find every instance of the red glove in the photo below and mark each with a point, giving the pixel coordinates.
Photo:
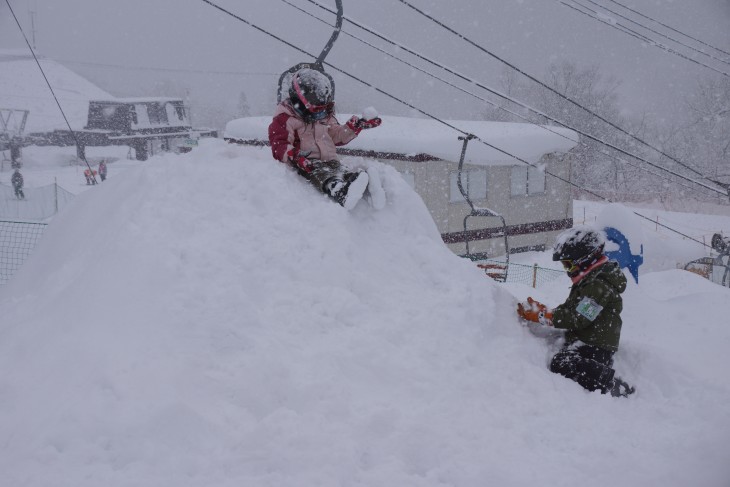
(357, 124)
(299, 160)
(535, 311)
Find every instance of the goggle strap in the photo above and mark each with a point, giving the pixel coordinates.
(303, 99)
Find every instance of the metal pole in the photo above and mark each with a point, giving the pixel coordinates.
(461, 169)
(333, 37)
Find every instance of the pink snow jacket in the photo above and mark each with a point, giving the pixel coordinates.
(287, 131)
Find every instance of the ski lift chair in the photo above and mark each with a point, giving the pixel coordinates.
(496, 271)
(318, 64)
(716, 269)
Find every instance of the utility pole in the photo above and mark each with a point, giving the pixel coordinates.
(32, 13)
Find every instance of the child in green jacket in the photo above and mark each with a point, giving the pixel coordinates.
(591, 316)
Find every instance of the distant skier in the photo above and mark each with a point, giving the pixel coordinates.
(305, 132)
(17, 180)
(591, 315)
(102, 170)
(90, 176)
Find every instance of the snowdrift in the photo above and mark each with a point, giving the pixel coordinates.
(208, 319)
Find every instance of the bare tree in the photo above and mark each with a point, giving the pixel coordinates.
(243, 108)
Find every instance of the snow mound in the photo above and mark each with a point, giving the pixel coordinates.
(208, 319)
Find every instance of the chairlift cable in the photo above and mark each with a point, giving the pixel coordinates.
(553, 90)
(433, 117)
(505, 97)
(595, 15)
(497, 106)
(669, 27)
(654, 31)
(73, 133)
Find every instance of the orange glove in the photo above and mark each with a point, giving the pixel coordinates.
(535, 311)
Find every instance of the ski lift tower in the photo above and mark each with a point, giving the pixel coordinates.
(12, 126)
(318, 64)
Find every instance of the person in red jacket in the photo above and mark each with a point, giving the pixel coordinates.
(90, 175)
(305, 133)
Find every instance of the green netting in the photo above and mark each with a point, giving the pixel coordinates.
(530, 275)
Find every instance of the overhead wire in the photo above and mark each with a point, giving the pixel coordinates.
(501, 95)
(508, 98)
(654, 31)
(443, 122)
(669, 27)
(172, 70)
(565, 97)
(68, 124)
(595, 15)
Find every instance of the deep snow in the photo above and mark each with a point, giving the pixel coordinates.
(207, 319)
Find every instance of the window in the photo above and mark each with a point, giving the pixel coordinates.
(474, 183)
(157, 114)
(527, 180)
(409, 178)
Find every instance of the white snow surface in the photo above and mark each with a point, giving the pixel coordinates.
(210, 320)
(405, 135)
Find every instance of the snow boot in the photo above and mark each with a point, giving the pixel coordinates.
(375, 191)
(619, 388)
(348, 189)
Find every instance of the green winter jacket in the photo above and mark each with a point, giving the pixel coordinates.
(592, 312)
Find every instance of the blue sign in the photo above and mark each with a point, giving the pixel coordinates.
(623, 255)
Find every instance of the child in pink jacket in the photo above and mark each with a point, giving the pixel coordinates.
(305, 134)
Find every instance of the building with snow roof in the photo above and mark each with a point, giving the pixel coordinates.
(22, 87)
(535, 205)
(96, 118)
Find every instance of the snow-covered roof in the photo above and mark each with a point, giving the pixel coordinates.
(425, 136)
(147, 99)
(22, 87)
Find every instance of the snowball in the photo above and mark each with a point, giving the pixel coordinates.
(369, 113)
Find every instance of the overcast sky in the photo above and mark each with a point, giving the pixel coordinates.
(198, 48)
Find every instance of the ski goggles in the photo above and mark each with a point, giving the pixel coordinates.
(324, 113)
(314, 109)
(569, 265)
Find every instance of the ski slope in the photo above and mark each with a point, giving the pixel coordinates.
(208, 320)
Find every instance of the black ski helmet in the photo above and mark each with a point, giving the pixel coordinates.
(310, 93)
(720, 244)
(578, 248)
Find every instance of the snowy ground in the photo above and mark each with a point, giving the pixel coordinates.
(46, 165)
(213, 321)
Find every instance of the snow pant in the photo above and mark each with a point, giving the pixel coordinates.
(19, 193)
(588, 365)
(323, 171)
